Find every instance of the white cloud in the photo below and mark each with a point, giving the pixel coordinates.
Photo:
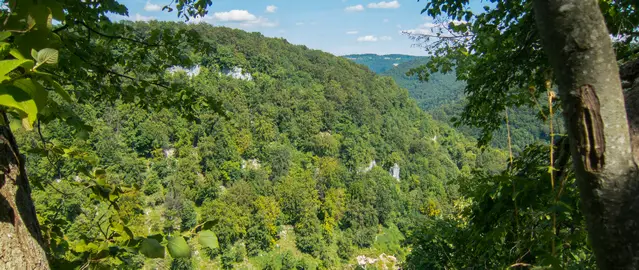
(259, 22)
(354, 8)
(234, 16)
(383, 4)
(152, 7)
(367, 39)
(371, 38)
(433, 29)
(143, 18)
(299, 23)
(271, 9)
(352, 32)
(386, 20)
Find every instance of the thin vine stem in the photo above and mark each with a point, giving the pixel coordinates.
(510, 151)
(551, 169)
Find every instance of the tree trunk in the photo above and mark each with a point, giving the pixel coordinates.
(20, 237)
(580, 51)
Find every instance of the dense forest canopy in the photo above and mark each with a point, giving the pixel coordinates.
(442, 96)
(173, 145)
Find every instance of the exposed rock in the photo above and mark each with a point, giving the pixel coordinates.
(370, 166)
(237, 73)
(251, 164)
(363, 260)
(169, 152)
(194, 71)
(386, 261)
(394, 171)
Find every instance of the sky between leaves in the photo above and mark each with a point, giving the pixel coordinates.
(336, 26)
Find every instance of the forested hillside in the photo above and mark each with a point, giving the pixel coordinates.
(442, 96)
(296, 172)
(180, 145)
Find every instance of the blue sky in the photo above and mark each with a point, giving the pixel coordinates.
(336, 26)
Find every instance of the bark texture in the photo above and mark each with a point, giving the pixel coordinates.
(20, 237)
(579, 48)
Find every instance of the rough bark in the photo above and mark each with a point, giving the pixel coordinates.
(579, 48)
(632, 109)
(20, 237)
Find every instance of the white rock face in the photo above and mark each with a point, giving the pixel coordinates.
(169, 153)
(237, 73)
(370, 166)
(251, 164)
(394, 171)
(194, 71)
(385, 260)
(363, 260)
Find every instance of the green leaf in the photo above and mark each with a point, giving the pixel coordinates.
(7, 66)
(208, 239)
(4, 35)
(15, 53)
(100, 174)
(35, 90)
(151, 248)
(128, 232)
(56, 86)
(178, 248)
(41, 16)
(60, 91)
(5, 48)
(34, 54)
(17, 99)
(47, 56)
(57, 11)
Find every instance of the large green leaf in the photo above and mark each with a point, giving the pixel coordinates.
(36, 39)
(57, 11)
(4, 35)
(151, 248)
(208, 239)
(178, 248)
(40, 15)
(7, 66)
(35, 90)
(15, 98)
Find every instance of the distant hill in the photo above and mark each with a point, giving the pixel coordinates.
(380, 63)
(441, 89)
(443, 97)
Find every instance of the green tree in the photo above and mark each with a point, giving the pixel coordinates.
(579, 58)
(581, 54)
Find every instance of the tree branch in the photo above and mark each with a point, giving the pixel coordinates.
(105, 69)
(115, 37)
